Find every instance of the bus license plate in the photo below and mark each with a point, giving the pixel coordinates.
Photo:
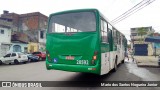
(70, 57)
(82, 62)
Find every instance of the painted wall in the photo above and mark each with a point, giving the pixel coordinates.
(4, 48)
(157, 45)
(33, 47)
(6, 36)
(42, 40)
(42, 36)
(5, 40)
(18, 47)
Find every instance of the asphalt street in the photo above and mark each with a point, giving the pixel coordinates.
(36, 71)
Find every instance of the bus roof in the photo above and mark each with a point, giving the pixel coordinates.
(75, 10)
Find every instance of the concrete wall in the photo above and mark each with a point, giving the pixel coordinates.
(42, 36)
(29, 23)
(33, 21)
(150, 49)
(4, 48)
(33, 47)
(6, 37)
(22, 45)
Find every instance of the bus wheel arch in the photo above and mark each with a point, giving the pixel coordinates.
(115, 64)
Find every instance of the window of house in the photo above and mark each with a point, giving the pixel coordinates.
(2, 31)
(41, 34)
(134, 34)
(17, 48)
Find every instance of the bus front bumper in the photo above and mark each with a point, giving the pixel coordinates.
(74, 68)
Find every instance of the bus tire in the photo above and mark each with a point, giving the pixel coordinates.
(115, 65)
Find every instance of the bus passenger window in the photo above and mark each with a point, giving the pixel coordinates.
(104, 32)
(59, 28)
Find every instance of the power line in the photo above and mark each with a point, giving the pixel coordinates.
(124, 15)
(127, 11)
(129, 14)
(135, 9)
(131, 11)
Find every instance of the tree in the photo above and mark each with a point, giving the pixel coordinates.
(142, 31)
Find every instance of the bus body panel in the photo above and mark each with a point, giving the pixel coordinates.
(74, 68)
(81, 46)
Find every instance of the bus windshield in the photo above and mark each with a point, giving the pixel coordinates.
(73, 22)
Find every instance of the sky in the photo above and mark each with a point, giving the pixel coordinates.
(148, 16)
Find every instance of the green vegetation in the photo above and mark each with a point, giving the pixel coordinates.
(141, 32)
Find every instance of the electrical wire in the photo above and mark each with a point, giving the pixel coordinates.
(134, 9)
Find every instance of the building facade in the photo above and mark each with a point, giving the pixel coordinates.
(18, 46)
(15, 20)
(135, 36)
(5, 35)
(42, 40)
(31, 25)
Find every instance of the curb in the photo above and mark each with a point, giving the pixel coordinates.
(156, 66)
(146, 65)
(141, 64)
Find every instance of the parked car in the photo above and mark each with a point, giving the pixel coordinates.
(32, 58)
(14, 58)
(42, 55)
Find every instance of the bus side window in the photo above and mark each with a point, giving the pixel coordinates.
(110, 28)
(115, 36)
(104, 31)
(118, 37)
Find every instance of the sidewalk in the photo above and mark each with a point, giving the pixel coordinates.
(149, 61)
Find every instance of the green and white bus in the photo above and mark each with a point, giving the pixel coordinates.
(83, 41)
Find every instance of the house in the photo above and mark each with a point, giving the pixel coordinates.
(146, 48)
(33, 25)
(155, 40)
(5, 35)
(19, 43)
(15, 20)
(135, 36)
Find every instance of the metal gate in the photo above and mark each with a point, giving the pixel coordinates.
(141, 49)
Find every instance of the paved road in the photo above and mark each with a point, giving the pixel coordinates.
(36, 71)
